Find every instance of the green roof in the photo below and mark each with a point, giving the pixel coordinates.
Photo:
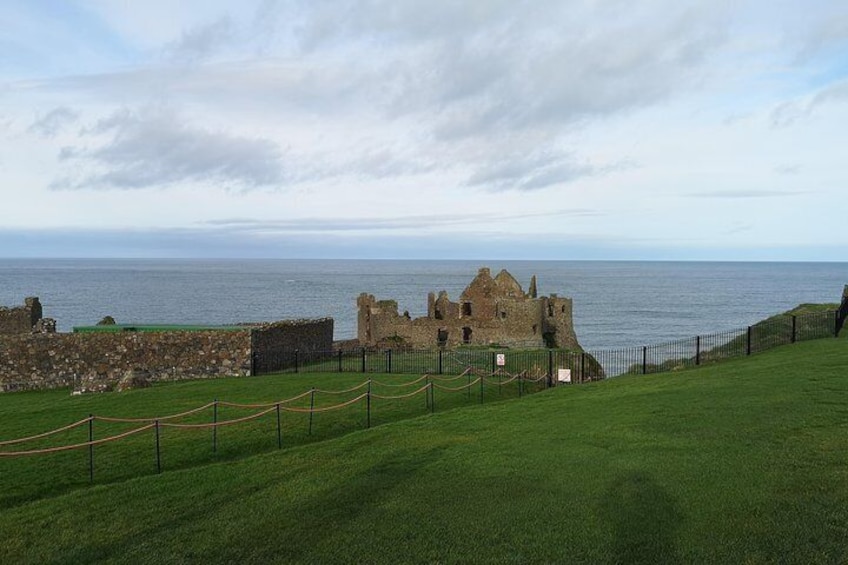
(153, 328)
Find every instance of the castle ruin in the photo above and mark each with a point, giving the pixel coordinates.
(490, 311)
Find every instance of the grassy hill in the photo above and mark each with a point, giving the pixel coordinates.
(740, 462)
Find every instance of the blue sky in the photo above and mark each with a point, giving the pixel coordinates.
(411, 129)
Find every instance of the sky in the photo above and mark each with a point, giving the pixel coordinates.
(412, 129)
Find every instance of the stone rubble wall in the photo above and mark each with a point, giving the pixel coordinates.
(30, 361)
(58, 360)
(21, 319)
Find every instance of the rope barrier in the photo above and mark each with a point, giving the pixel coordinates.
(171, 417)
(76, 445)
(458, 388)
(357, 387)
(422, 389)
(418, 380)
(46, 434)
(324, 408)
(221, 423)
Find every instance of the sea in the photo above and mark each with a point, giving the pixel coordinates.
(616, 303)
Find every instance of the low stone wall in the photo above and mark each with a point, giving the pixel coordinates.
(38, 361)
(290, 335)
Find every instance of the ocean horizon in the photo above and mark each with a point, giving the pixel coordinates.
(616, 303)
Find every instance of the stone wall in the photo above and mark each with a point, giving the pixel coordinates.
(53, 360)
(65, 360)
(21, 319)
(291, 335)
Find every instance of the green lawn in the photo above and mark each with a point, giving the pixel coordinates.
(740, 462)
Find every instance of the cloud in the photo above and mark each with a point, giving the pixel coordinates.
(736, 194)
(154, 148)
(425, 222)
(200, 42)
(53, 121)
(536, 171)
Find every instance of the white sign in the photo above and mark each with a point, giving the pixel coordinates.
(564, 375)
(501, 360)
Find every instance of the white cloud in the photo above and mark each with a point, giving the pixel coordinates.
(153, 147)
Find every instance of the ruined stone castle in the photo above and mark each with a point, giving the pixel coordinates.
(490, 311)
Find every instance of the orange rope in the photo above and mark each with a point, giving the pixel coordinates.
(324, 408)
(410, 383)
(423, 388)
(46, 434)
(77, 445)
(458, 388)
(222, 423)
(171, 417)
(357, 387)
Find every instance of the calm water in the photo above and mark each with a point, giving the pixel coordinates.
(615, 303)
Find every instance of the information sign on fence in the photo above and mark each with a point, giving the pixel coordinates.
(564, 375)
(501, 359)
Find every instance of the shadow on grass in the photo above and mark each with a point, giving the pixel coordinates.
(643, 520)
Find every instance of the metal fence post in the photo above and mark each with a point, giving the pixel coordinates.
(644, 359)
(494, 361)
(582, 366)
(214, 426)
(388, 360)
(90, 448)
(748, 344)
(158, 456)
(440, 361)
(368, 404)
(340, 360)
(697, 350)
(311, 408)
(550, 363)
(363, 359)
(296, 355)
(279, 429)
(794, 326)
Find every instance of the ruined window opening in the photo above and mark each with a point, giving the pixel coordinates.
(466, 308)
(466, 335)
(503, 315)
(563, 309)
(535, 329)
(437, 314)
(442, 337)
(550, 310)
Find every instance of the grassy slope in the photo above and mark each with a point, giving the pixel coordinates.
(739, 462)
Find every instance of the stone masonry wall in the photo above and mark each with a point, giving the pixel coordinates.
(21, 319)
(35, 361)
(303, 335)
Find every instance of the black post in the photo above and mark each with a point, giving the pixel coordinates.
(644, 359)
(296, 352)
(550, 363)
(794, 328)
(214, 427)
(279, 429)
(494, 361)
(311, 407)
(582, 367)
(836, 324)
(158, 456)
(481, 389)
(368, 404)
(253, 363)
(90, 448)
(440, 361)
(340, 360)
(388, 360)
(363, 359)
(427, 394)
(748, 342)
(698, 350)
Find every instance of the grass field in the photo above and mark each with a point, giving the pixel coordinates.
(740, 462)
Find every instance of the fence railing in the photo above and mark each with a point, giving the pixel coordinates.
(585, 366)
(471, 384)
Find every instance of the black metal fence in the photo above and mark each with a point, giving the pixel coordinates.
(575, 366)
